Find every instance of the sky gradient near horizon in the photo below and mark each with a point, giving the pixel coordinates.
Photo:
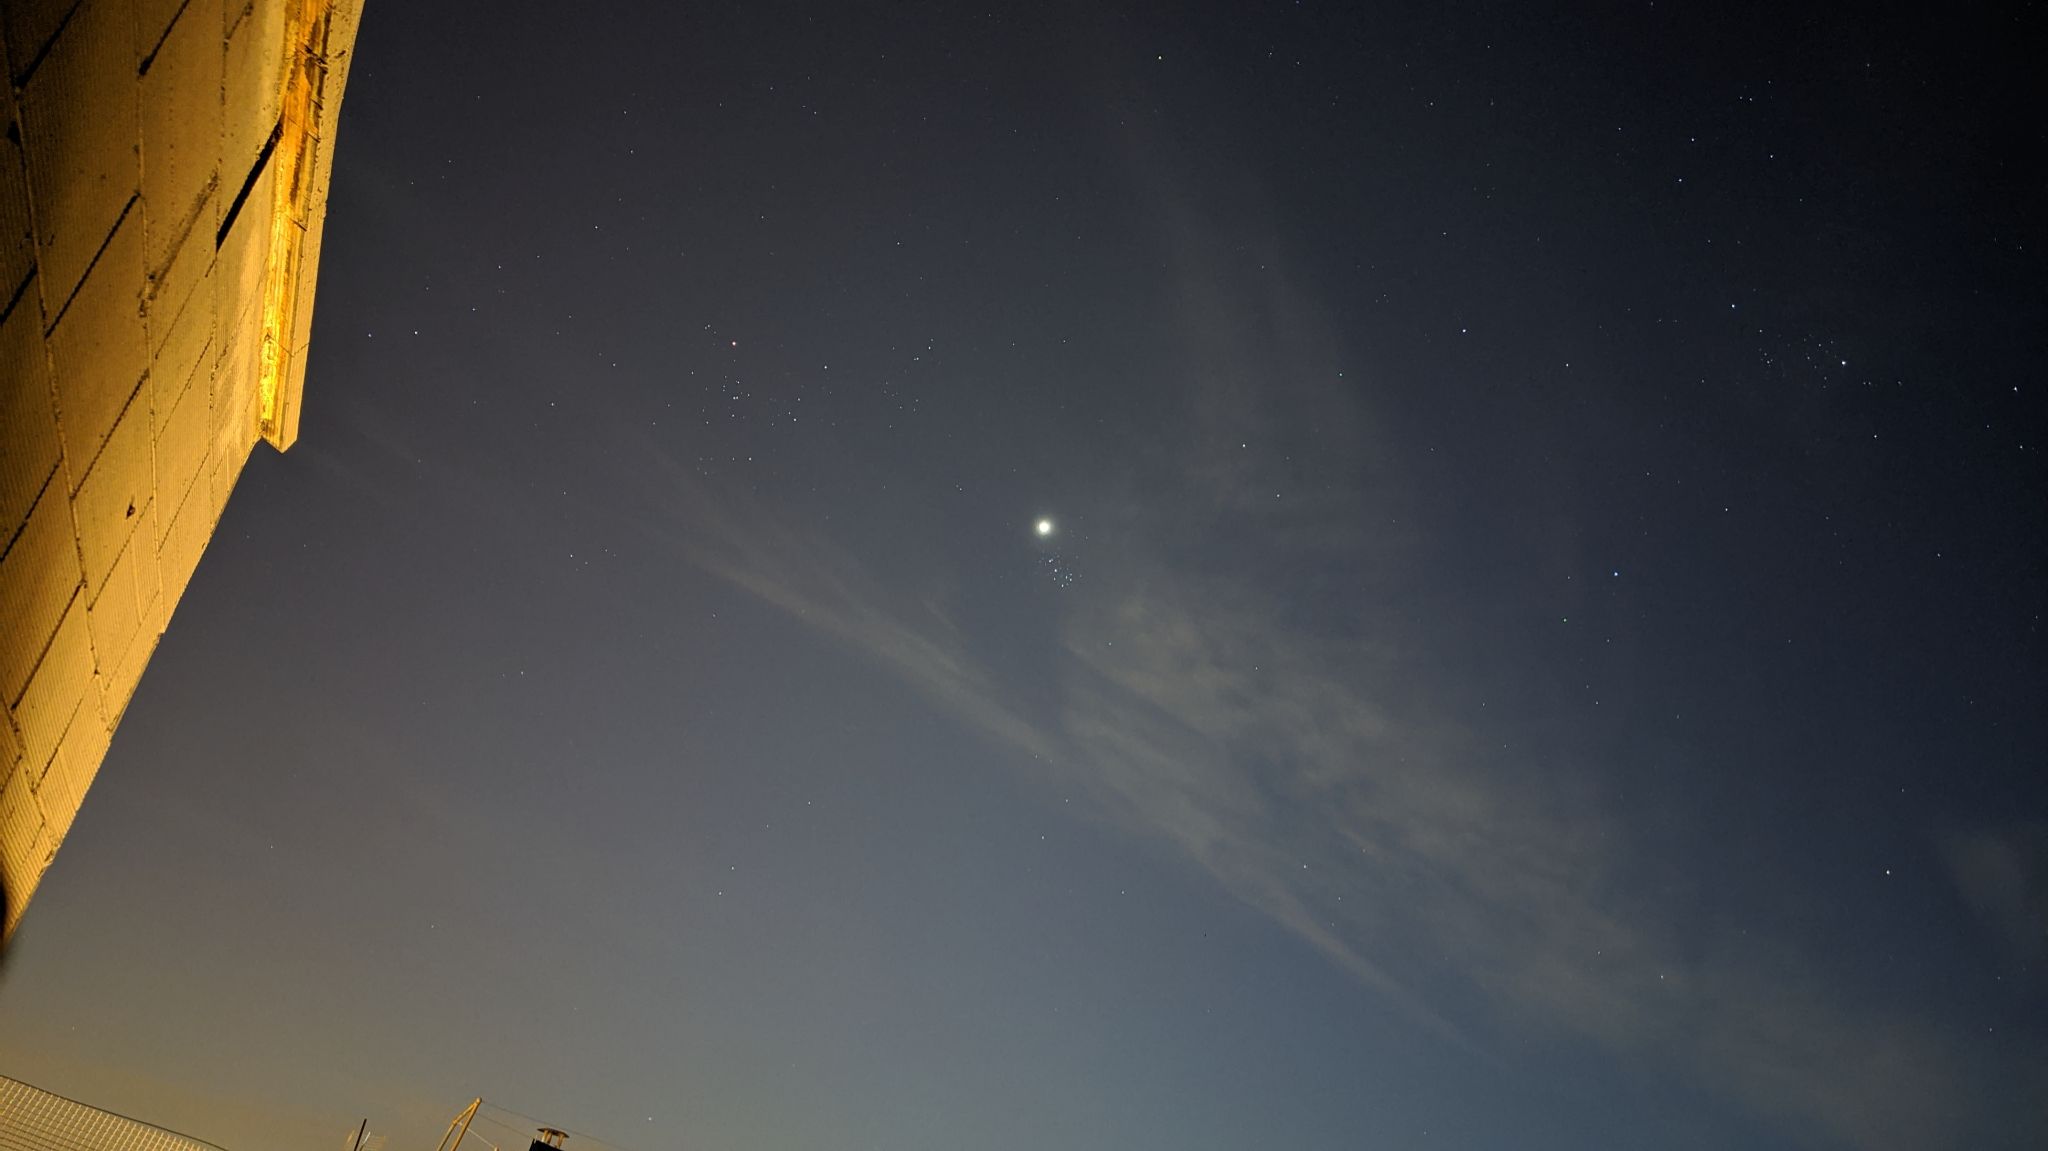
(1538, 642)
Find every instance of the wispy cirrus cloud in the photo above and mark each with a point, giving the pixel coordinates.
(1311, 770)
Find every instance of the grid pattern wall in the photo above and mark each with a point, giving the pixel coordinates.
(160, 156)
(35, 1120)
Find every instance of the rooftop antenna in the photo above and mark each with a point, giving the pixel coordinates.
(462, 1122)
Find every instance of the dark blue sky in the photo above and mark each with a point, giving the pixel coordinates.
(1539, 647)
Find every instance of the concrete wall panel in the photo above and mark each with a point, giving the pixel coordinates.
(28, 424)
(54, 799)
(38, 577)
(98, 350)
(177, 365)
(181, 132)
(153, 25)
(30, 25)
(181, 438)
(77, 763)
(17, 242)
(24, 843)
(132, 333)
(185, 533)
(255, 74)
(115, 617)
(109, 504)
(81, 168)
(187, 271)
(65, 680)
(10, 743)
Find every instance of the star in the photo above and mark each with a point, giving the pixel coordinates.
(1043, 528)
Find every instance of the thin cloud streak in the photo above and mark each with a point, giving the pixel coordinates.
(1311, 774)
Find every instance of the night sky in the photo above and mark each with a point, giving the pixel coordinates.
(1535, 639)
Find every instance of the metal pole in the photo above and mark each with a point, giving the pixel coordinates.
(462, 1121)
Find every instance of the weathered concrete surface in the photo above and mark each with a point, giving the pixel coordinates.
(162, 185)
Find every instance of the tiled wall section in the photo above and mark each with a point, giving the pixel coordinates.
(129, 350)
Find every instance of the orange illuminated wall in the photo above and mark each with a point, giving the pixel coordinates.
(162, 186)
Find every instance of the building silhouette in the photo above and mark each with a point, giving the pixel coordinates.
(163, 180)
(32, 1119)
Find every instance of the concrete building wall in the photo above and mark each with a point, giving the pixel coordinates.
(162, 185)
